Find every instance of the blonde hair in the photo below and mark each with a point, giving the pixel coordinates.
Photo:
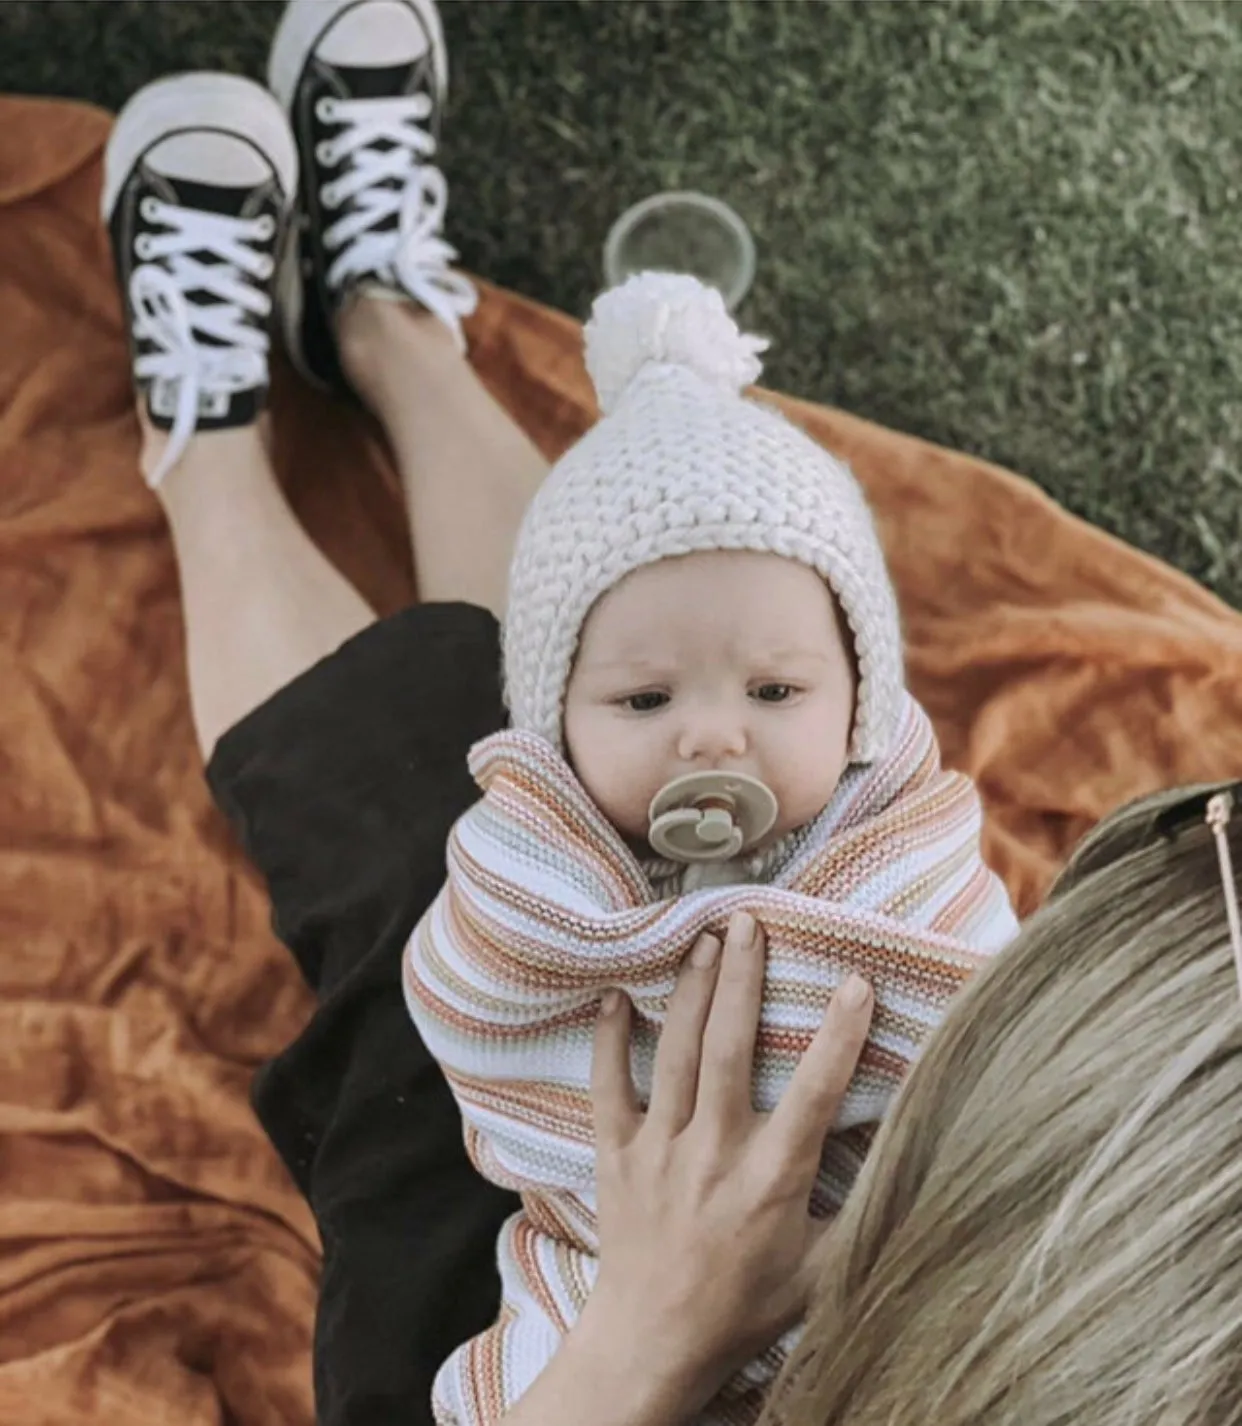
(1048, 1228)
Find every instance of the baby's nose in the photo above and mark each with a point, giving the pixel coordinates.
(713, 739)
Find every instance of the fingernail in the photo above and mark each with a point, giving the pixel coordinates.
(743, 927)
(610, 1002)
(854, 992)
(706, 949)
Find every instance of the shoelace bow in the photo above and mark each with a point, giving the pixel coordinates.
(412, 255)
(236, 358)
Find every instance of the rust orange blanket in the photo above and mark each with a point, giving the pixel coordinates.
(155, 1263)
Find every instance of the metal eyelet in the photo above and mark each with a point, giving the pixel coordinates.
(142, 245)
(265, 226)
(150, 209)
(325, 110)
(327, 195)
(325, 153)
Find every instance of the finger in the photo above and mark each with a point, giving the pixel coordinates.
(729, 1041)
(810, 1104)
(614, 1104)
(675, 1078)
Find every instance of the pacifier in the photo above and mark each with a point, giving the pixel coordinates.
(710, 816)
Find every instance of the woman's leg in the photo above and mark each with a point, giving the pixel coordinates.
(261, 604)
(343, 786)
(342, 775)
(199, 176)
(468, 471)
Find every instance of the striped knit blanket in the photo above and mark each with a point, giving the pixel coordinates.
(545, 906)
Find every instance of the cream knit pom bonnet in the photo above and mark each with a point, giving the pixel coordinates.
(679, 463)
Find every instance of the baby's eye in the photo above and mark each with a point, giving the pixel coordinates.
(774, 692)
(645, 702)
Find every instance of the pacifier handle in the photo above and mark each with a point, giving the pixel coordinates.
(716, 826)
(710, 816)
(714, 830)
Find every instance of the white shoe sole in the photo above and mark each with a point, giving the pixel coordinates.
(304, 21)
(182, 102)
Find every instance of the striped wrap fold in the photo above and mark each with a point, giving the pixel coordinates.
(545, 907)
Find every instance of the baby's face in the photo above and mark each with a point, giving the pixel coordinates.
(726, 660)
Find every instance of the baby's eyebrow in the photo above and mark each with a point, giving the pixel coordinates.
(792, 655)
(613, 667)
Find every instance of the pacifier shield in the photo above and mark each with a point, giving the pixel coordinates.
(710, 816)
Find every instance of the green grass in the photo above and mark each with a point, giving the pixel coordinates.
(1009, 227)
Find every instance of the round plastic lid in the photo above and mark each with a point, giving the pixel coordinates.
(683, 232)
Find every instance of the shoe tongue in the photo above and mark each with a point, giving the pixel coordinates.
(386, 82)
(214, 198)
(224, 199)
(370, 82)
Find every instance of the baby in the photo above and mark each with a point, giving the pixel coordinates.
(703, 670)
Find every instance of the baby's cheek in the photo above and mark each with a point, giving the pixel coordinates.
(606, 767)
(623, 799)
(811, 763)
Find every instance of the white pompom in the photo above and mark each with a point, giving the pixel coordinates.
(670, 318)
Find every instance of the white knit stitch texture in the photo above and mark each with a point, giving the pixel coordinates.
(659, 317)
(682, 465)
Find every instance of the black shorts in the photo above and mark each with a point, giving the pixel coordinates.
(343, 787)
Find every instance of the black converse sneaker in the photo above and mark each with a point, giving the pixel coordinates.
(200, 174)
(364, 84)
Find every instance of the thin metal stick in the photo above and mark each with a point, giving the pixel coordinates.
(1219, 811)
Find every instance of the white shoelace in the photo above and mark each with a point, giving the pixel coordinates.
(412, 256)
(164, 315)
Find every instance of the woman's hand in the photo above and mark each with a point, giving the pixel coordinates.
(707, 1248)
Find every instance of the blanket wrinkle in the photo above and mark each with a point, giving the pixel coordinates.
(1062, 670)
